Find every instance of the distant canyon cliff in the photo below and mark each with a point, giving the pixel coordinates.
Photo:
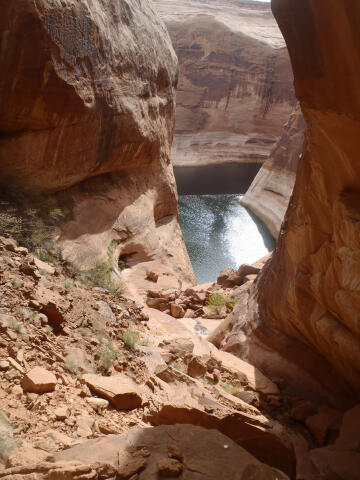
(235, 88)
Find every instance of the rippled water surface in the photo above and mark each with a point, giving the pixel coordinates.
(220, 233)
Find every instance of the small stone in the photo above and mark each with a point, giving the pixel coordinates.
(49, 269)
(98, 403)
(61, 413)
(174, 452)
(152, 276)
(130, 463)
(17, 391)
(196, 367)
(85, 424)
(177, 311)
(12, 374)
(31, 397)
(15, 364)
(4, 365)
(11, 334)
(20, 356)
(120, 390)
(70, 422)
(39, 380)
(169, 467)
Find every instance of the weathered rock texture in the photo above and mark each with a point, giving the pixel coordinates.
(269, 194)
(235, 85)
(87, 104)
(309, 293)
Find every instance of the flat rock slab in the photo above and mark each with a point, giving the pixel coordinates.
(122, 392)
(200, 454)
(38, 380)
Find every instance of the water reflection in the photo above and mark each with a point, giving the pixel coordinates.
(220, 233)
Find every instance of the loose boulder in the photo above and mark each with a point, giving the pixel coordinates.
(122, 392)
(38, 380)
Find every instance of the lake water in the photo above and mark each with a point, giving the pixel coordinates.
(220, 233)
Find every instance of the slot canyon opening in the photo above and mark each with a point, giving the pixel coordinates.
(218, 231)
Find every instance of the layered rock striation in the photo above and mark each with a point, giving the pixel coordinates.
(87, 107)
(314, 274)
(235, 83)
(269, 194)
(306, 323)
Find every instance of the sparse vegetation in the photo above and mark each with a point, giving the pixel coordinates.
(68, 284)
(47, 257)
(130, 338)
(216, 300)
(233, 303)
(84, 332)
(107, 354)
(232, 389)
(71, 365)
(7, 441)
(25, 313)
(16, 282)
(14, 325)
(101, 276)
(209, 381)
(32, 227)
(176, 366)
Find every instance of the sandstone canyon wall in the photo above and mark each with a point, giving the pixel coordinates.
(307, 325)
(87, 108)
(235, 87)
(269, 194)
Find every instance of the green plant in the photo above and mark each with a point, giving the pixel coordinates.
(25, 313)
(56, 214)
(68, 284)
(84, 332)
(176, 366)
(209, 381)
(216, 300)
(232, 389)
(48, 329)
(31, 220)
(107, 354)
(130, 338)
(145, 342)
(71, 365)
(14, 325)
(102, 276)
(47, 257)
(7, 442)
(16, 282)
(233, 303)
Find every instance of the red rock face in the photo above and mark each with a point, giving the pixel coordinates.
(235, 87)
(269, 194)
(87, 104)
(310, 292)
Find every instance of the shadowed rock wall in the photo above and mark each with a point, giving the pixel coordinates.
(87, 105)
(301, 322)
(310, 291)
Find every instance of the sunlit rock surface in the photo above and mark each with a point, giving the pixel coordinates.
(235, 87)
(269, 194)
